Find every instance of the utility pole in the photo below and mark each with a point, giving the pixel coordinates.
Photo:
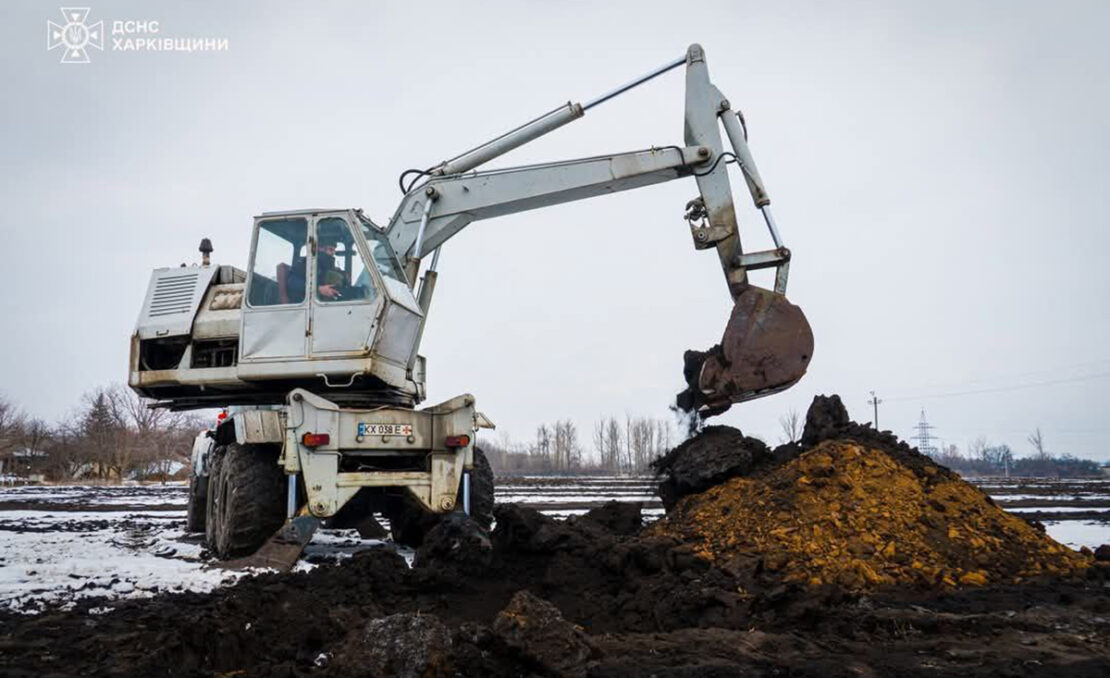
(874, 402)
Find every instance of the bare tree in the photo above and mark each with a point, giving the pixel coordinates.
(949, 455)
(614, 442)
(634, 442)
(35, 435)
(11, 424)
(34, 438)
(1036, 439)
(155, 438)
(791, 424)
(567, 451)
(977, 449)
(628, 462)
(998, 457)
(99, 434)
(66, 454)
(543, 442)
(666, 435)
(644, 440)
(599, 442)
(119, 434)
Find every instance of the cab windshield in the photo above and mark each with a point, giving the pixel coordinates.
(381, 253)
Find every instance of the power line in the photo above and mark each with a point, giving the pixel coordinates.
(1098, 365)
(1000, 389)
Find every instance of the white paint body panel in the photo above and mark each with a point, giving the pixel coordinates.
(172, 299)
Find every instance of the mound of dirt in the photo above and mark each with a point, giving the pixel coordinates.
(858, 509)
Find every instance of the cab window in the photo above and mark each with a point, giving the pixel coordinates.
(278, 269)
(341, 273)
(382, 254)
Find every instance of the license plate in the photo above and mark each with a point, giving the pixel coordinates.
(365, 429)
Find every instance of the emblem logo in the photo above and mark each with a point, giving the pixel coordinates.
(75, 36)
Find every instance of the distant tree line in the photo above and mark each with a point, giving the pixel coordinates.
(112, 435)
(986, 459)
(616, 447)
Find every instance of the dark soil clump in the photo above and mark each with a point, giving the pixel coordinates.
(456, 543)
(713, 456)
(619, 517)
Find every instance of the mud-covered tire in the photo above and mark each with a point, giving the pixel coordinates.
(250, 505)
(197, 515)
(215, 491)
(481, 490)
(409, 521)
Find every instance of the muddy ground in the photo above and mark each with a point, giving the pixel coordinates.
(595, 595)
(599, 603)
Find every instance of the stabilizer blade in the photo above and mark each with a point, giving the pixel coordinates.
(281, 551)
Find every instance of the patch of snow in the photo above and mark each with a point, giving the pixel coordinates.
(1059, 509)
(1078, 533)
(546, 498)
(57, 568)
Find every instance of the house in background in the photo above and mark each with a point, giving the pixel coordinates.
(24, 465)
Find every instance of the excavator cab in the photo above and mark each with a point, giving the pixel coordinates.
(327, 299)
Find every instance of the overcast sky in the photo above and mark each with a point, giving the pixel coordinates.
(939, 170)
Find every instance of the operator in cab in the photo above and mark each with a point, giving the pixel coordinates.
(334, 266)
(329, 279)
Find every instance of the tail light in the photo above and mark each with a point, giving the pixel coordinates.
(315, 439)
(458, 441)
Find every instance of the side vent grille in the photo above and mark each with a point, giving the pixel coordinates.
(173, 294)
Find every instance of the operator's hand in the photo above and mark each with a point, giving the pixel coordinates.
(329, 292)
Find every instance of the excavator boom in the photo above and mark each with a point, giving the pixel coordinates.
(767, 342)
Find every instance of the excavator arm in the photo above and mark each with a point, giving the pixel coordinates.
(767, 343)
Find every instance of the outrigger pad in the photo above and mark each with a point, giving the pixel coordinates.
(766, 348)
(281, 551)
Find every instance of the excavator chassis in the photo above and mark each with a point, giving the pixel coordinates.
(329, 453)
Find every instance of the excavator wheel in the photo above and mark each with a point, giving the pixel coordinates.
(481, 490)
(211, 504)
(246, 499)
(409, 521)
(197, 515)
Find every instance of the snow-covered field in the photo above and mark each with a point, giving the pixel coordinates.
(51, 556)
(61, 543)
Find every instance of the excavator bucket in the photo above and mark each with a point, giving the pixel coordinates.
(766, 347)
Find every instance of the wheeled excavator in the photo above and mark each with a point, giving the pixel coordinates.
(313, 349)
